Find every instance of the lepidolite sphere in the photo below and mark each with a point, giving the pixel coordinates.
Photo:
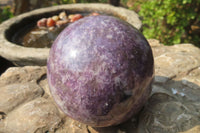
(100, 70)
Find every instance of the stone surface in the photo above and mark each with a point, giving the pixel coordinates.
(196, 129)
(23, 56)
(174, 106)
(38, 115)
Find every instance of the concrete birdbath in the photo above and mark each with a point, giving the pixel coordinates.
(13, 29)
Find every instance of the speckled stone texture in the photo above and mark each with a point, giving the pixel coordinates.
(99, 70)
(26, 104)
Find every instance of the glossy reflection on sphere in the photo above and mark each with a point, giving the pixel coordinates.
(100, 70)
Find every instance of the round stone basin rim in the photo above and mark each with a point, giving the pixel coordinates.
(22, 56)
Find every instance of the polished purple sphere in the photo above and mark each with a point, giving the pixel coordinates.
(100, 70)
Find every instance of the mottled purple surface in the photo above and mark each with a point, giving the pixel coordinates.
(99, 70)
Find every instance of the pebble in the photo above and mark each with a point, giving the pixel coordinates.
(42, 22)
(63, 15)
(61, 22)
(95, 14)
(50, 22)
(70, 16)
(55, 18)
(51, 28)
(76, 17)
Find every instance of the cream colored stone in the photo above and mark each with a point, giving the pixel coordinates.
(39, 115)
(195, 129)
(26, 104)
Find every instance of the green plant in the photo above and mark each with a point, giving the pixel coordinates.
(170, 21)
(5, 13)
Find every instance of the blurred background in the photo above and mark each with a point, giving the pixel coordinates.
(169, 21)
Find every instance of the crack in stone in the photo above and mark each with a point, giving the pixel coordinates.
(2, 115)
(43, 77)
(88, 130)
(183, 74)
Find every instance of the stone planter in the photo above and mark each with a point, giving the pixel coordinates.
(22, 56)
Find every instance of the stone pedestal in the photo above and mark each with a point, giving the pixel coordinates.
(26, 104)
